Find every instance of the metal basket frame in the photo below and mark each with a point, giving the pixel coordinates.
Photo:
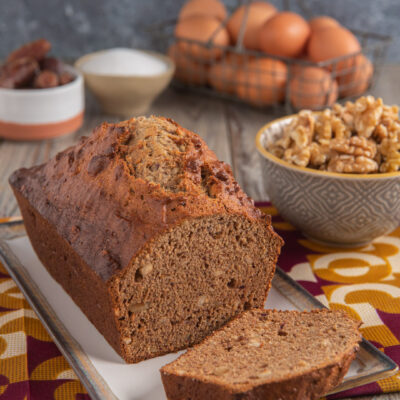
(373, 46)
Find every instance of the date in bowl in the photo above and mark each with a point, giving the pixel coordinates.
(35, 114)
(346, 210)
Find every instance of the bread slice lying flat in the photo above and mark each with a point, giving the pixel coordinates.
(267, 354)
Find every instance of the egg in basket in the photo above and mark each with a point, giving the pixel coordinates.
(266, 57)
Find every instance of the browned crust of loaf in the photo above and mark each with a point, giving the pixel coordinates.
(311, 386)
(89, 194)
(71, 272)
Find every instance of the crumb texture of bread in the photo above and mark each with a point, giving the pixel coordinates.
(267, 355)
(149, 233)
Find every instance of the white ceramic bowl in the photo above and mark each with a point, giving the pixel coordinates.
(346, 210)
(33, 114)
(126, 95)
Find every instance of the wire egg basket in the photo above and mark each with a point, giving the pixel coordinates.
(268, 81)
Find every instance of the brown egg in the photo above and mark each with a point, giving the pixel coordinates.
(285, 34)
(208, 8)
(355, 78)
(312, 88)
(322, 22)
(262, 81)
(202, 29)
(298, 63)
(258, 13)
(238, 58)
(187, 70)
(222, 75)
(333, 42)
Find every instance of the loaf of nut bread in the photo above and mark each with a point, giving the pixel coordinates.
(267, 355)
(150, 235)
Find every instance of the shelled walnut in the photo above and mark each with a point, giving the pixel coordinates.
(360, 137)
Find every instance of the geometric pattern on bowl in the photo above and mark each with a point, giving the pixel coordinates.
(339, 209)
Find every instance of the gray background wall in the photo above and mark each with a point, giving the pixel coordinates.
(76, 27)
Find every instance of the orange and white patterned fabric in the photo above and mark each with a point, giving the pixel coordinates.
(31, 366)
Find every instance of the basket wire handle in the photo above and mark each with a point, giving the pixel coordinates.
(242, 30)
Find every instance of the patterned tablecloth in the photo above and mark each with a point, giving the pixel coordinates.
(364, 281)
(31, 366)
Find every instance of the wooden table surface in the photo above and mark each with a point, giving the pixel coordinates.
(229, 129)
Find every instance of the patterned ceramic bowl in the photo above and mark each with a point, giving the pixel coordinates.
(337, 209)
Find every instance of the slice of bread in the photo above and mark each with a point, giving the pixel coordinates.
(267, 354)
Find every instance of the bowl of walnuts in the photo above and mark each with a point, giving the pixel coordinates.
(40, 96)
(335, 174)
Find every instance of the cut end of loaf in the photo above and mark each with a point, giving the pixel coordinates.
(191, 281)
(273, 354)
